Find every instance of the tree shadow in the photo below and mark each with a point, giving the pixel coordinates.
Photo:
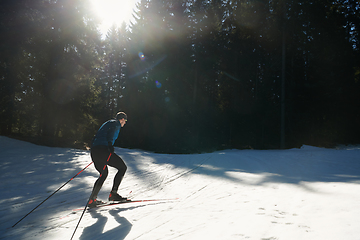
(33, 173)
(251, 167)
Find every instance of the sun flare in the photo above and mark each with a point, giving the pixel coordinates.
(113, 11)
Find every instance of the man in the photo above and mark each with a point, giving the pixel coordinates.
(102, 154)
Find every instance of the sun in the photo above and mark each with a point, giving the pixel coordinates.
(113, 11)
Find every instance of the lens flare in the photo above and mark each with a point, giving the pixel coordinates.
(158, 84)
(141, 56)
(140, 66)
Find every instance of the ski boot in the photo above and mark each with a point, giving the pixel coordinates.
(114, 196)
(94, 203)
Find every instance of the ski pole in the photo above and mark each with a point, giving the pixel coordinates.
(52, 194)
(89, 199)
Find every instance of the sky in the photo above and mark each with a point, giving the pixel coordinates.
(113, 11)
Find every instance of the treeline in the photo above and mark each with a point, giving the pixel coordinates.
(191, 75)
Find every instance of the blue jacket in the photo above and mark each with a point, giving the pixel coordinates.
(108, 132)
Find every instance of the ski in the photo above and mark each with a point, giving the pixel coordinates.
(130, 201)
(107, 204)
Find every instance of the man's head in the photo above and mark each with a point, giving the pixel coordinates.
(122, 117)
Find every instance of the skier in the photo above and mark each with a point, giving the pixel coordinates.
(101, 148)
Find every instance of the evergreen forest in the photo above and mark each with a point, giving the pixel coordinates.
(192, 75)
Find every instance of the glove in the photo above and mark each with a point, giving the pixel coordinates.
(111, 147)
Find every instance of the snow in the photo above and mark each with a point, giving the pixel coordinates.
(306, 193)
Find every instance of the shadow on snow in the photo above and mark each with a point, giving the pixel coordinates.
(254, 167)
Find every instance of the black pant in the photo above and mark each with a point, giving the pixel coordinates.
(99, 155)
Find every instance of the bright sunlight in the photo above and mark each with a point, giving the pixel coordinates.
(113, 11)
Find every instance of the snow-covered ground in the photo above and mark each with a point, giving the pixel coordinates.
(307, 193)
